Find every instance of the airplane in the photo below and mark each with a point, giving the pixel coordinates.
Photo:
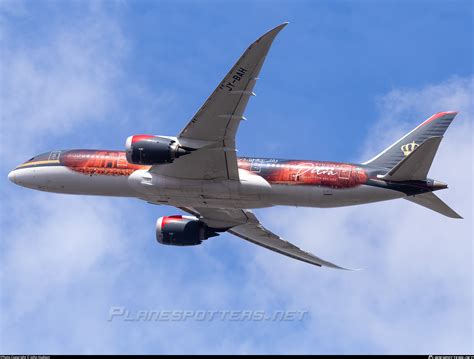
(198, 171)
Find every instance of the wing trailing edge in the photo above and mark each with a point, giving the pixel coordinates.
(244, 224)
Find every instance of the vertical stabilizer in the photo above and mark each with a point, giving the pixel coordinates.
(435, 126)
(416, 165)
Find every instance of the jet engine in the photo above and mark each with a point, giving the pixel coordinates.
(152, 150)
(182, 231)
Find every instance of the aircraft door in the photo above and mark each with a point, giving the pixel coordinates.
(256, 166)
(54, 155)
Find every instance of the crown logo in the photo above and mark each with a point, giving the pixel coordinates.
(409, 148)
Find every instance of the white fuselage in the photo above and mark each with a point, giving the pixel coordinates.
(252, 191)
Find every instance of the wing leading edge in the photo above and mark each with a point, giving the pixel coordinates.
(244, 224)
(212, 129)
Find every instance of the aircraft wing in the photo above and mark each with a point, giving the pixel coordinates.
(244, 224)
(213, 128)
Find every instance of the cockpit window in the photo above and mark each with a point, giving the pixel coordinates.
(41, 157)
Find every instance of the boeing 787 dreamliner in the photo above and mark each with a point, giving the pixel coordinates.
(199, 172)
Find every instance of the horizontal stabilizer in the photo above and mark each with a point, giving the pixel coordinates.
(416, 165)
(433, 202)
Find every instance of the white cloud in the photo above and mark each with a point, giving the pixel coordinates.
(416, 292)
(65, 79)
(68, 76)
(403, 109)
(53, 83)
(59, 242)
(69, 258)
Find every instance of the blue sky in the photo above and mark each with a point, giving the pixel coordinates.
(341, 82)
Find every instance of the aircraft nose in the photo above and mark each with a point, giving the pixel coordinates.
(11, 176)
(24, 177)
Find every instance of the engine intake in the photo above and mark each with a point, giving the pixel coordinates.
(182, 231)
(151, 150)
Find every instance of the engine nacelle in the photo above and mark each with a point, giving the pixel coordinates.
(182, 231)
(152, 150)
